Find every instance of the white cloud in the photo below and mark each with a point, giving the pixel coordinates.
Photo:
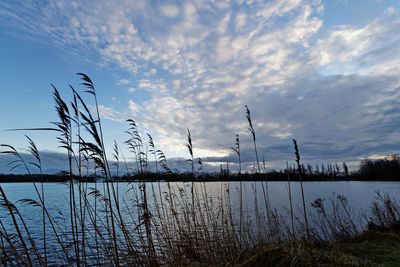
(241, 20)
(153, 85)
(123, 82)
(133, 107)
(278, 8)
(169, 10)
(366, 49)
(110, 113)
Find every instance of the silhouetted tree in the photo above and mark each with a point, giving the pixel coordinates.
(345, 169)
(387, 168)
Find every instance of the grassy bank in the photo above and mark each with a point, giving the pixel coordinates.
(370, 248)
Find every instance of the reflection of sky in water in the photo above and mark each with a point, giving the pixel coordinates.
(359, 194)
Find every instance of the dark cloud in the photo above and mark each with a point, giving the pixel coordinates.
(52, 162)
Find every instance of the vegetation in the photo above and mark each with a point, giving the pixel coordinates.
(180, 223)
(370, 248)
(386, 169)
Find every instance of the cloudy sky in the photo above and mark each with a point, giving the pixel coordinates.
(324, 72)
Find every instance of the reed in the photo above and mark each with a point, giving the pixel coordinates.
(265, 193)
(35, 153)
(98, 153)
(290, 200)
(189, 145)
(300, 169)
(12, 210)
(236, 149)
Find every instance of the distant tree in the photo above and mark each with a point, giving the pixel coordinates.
(309, 168)
(345, 169)
(63, 173)
(200, 162)
(386, 168)
(303, 169)
(293, 169)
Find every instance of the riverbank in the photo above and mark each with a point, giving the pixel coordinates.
(370, 248)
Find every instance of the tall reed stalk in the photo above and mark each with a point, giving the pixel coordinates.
(35, 153)
(100, 155)
(265, 194)
(236, 149)
(290, 200)
(190, 148)
(297, 153)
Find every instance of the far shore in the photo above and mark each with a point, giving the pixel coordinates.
(189, 177)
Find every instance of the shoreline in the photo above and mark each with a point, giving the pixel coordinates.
(50, 178)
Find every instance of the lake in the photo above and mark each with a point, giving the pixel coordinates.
(360, 196)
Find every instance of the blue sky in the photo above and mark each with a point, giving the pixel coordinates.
(324, 72)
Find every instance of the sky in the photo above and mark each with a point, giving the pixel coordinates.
(326, 73)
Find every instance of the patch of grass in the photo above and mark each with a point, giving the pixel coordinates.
(380, 248)
(299, 254)
(370, 248)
